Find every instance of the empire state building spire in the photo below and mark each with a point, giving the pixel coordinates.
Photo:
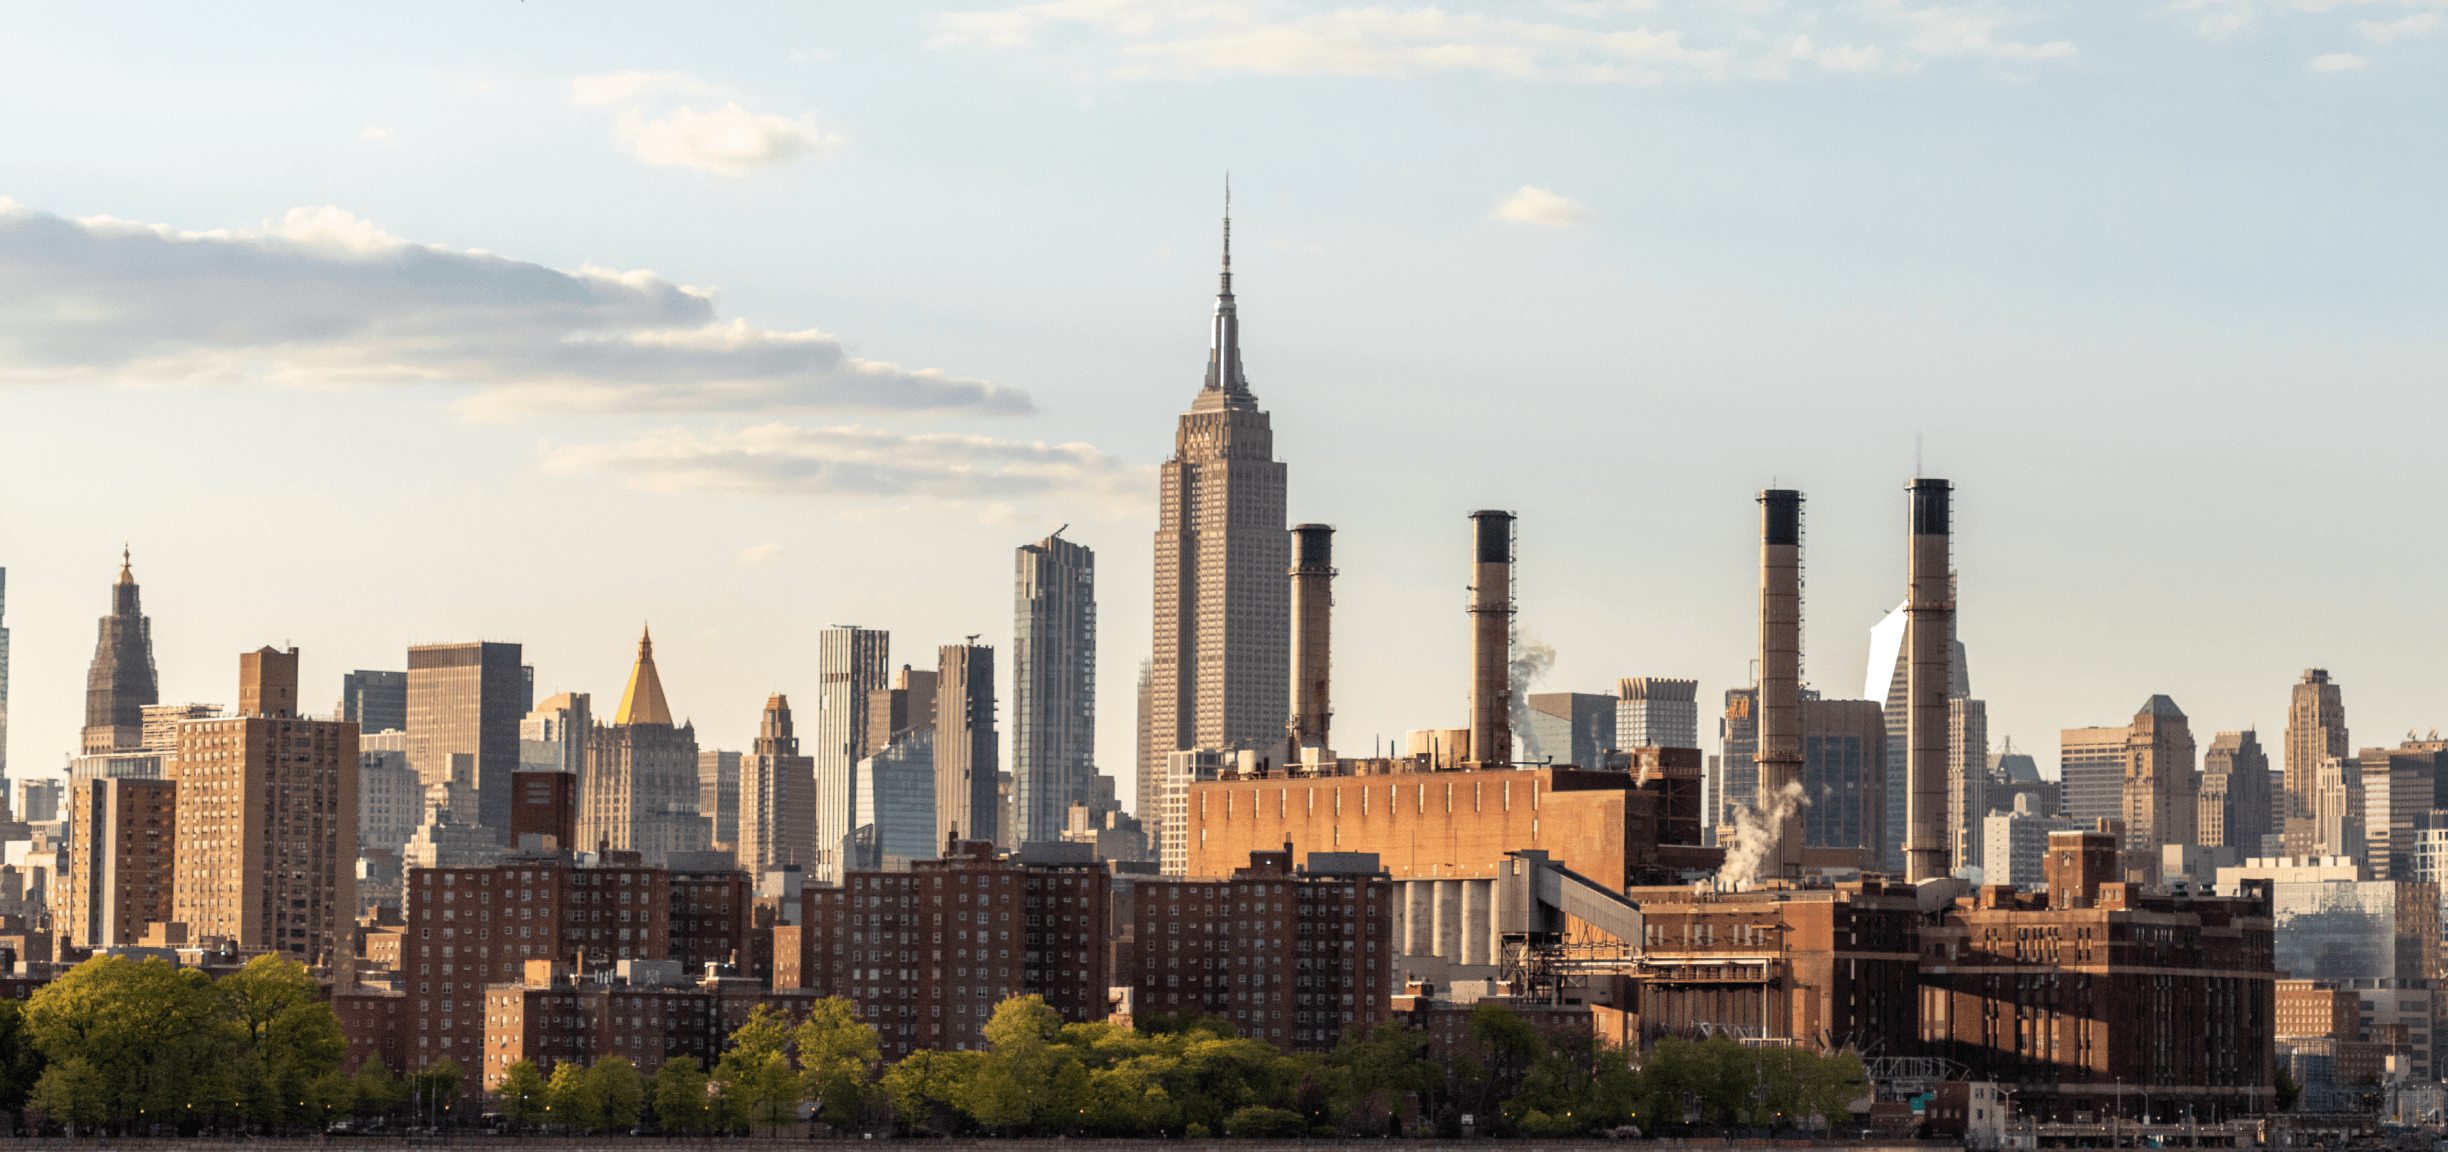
(1224, 342)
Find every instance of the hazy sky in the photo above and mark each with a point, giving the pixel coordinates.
(369, 326)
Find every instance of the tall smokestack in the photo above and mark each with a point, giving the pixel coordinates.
(1491, 612)
(1928, 611)
(1779, 754)
(1312, 608)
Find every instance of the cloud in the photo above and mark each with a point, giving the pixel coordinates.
(2403, 28)
(324, 299)
(765, 553)
(2337, 62)
(1591, 41)
(1534, 205)
(785, 460)
(728, 141)
(374, 135)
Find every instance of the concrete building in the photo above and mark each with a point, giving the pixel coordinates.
(1844, 748)
(2400, 790)
(966, 749)
(1293, 956)
(777, 793)
(2160, 802)
(121, 681)
(1967, 779)
(390, 797)
(467, 699)
(1183, 771)
(1653, 712)
(851, 663)
(897, 806)
(38, 801)
(374, 701)
(2315, 732)
(267, 821)
(2016, 845)
(2338, 809)
(2091, 767)
(1221, 674)
(1054, 646)
(718, 797)
(639, 791)
(1147, 798)
(2235, 800)
(121, 857)
(1575, 727)
(553, 735)
(161, 724)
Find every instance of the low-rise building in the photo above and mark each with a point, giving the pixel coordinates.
(1293, 957)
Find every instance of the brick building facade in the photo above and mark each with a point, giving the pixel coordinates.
(1294, 958)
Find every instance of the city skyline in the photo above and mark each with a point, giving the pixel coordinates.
(2193, 298)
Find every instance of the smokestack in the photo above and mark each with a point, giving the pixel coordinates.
(1928, 612)
(1491, 612)
(1779, 754)
(1312, 608)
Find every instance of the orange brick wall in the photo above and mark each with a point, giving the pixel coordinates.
(1455, 824)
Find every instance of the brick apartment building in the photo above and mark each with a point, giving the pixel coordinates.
(1292, 957)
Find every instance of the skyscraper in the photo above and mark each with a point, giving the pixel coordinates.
(639, 791)
(376, 701)
(1651, 712)
(1575, 727)
(2091, 768)
(2235, 802)
(777, 795)
(120, 873)
(851, 664)
(121, 680)
(1967, 779)
(1221, 676)
(2160, 800)
(1148, 801)
(4, 665)
(2315, 732)
(718, 780)
(267, 821)
(1053, 683)
(966, 752)
(467, 699)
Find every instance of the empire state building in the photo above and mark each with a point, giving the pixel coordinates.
(1221, 675)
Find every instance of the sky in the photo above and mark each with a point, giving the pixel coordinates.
(539, 321)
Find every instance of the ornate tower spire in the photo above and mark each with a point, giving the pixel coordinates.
(643, 702)
(1224, 342)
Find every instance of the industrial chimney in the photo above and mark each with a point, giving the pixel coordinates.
(1928, 612)
(1779, 754)
(1312, 608)
(1491, 612)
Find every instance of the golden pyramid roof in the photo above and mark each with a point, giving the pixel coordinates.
(643, 702)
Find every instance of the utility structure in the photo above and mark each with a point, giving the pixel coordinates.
(1491, 613)
(1533, 896)
(1312, 575)
(1779, 752)
(1929, 610)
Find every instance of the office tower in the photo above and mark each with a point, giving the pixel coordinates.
(1148, 799)
(1736, 782)
(1967, 779)
(639, 790)
(909, 703)
(966, 747)
(2400, 790)
(2012, 774)
(2235, 800)
(121, 680)
(1844, 753)
(376, 701)
(2335, 827)
(777, 795)
(38, 801)
(267, 822)
(1575, 727)
(1652, 712)
(2014, 843)
(468, 699)
(896, 803)
(4, 674)
(2091, 769)
(1223, 607)
(390, 797)
(119, 876)
(851, 664)
(2315, 731)
(553, 736)
(2160, 802)
(718, 776)
(1053, 684)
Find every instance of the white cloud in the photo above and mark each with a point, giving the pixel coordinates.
(765, 553)
(323, 299)
(2403, 28)
(2337, 62)
(2219, 19)
(786, 460)
(1533, 205)
(1940, 30)
(729, 140)
(375, 135)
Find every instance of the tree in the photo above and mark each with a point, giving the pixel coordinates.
(756, 1084)
(73, 1092)
(21, 1061)
(2288, 1090)
(522, 1093)
(436, 1085)
(680, 1096)
(152, 1033)
(286, 1038)
(373, 1090)
(837, 1053)
(573, 1099)
(1255, 1122)
(619, 1091)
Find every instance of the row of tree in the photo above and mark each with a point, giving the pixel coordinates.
(137, 1045)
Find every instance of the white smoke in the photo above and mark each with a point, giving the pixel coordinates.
(1754, 832)
(1532, 657)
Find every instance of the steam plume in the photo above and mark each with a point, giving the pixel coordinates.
(1754, 835)
(1532, 657)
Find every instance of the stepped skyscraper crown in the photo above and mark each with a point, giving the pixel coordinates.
(121, 681)
(1221, 674)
